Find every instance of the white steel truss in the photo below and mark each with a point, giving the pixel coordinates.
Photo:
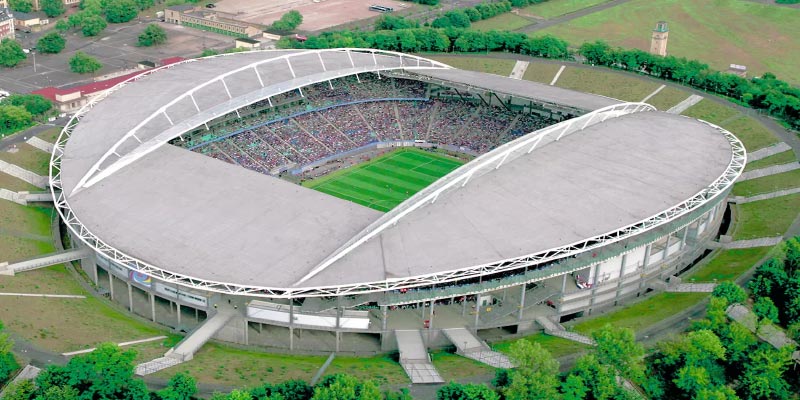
(482, 164)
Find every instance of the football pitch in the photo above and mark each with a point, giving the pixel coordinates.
(386, 181)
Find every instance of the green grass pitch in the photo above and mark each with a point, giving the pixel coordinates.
(388, 180)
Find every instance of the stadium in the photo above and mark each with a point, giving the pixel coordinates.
(364, 201)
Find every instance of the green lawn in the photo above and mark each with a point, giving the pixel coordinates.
(766, 218)
(717, 32)
(454, 367)
(557, 346)
(555, 8)
(15, 184)
(388, 180)
(643, 313)
(541, 72)
(50, 135)
(618, 86)
(490, 65)
(752, 133)
(727, 265)
(28, 157)
(24, 231)
(221, 365)
(502, 22)
(667, 98)
(776, 159)
(766, 184)
(711, 111)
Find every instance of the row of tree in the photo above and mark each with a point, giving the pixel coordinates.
(775, 289)
(288, 22)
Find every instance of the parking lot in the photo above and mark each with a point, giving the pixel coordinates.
(115, 48)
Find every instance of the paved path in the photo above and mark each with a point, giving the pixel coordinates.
(470, 346)
(746, 244)
(414, 357)
(767, 196)
(768, 151)
(558, 75)
(53, 296)
(553, 328)
(40, 144)
(24, 174)
(655, 92)
(519, 69)
(123, 344)
(682, 106)
(46, 260)
(771, 170)
(693, 288)
(569, 17)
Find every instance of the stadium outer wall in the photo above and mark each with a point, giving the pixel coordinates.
(507, 307)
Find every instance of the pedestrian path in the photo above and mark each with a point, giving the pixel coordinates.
(768, 151)
(655, 92)
(519, 70)
(25, 197)
(772, 170)
(553, 328)
(558, 75)
(693, 288)
(53, 296)
(24, 174)
(760, 242)
(767, 196)
(123, 344)
(767, 332)
(682, 106)
(40, 144)
(47, 260)
(414, 357)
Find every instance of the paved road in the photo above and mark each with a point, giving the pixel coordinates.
(570, 16)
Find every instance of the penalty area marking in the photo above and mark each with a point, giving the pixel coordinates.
(56, 296)
(123, 344)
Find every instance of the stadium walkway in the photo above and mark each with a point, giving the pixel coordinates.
(25, 197)
(40, 144)
(553, 328)
(519, 69)
(768, 151)
(692, 288)
(682, 106)
(655, 92)
(760, 242)
(767, 196)
(775, 169)
(24, 174)
(469, 346)
(415, 359)
(47, 260)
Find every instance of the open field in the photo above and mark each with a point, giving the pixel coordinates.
(51, 134)
(766, 218)
(216, 364)
(777, 159)
(766, 184)
(541, 72)
(668, 97)
(24, 231)
(711, 111)
(720, 33)
(502, 22)
(28, 157)
(489, 65)
(727, 265)
(609, 84)
(557, 346)
(14, 184)
(752, 133)
(555, 8)
(642, 314)
(387, 180)
(454, 367)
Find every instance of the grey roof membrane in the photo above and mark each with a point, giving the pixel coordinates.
(193, 215)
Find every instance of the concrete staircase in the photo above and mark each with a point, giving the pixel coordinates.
(415, 359)
(553, 328)
(40, 144)
(772, 170)
(470, 346)
(24, 174)
(156, 365)
(768, 151)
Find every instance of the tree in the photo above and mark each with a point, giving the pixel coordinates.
(152, 35)
(535, 375)
(468, 391)
(731, 292)
(51, 43)
(617, 348)
(59, 393)
(24, 6)
(14, 118)
(10, 53)
(92, 25)
(7, 362)
(345, 387)
(52, 8)
(768, 279)
(35, 104)
(62, 26)
(765, 309)
(22, 390)
(288, 21)
(118, 11)
(763, 376)
(180, 387)
(600, 380)
(144, 4)
(83, 63)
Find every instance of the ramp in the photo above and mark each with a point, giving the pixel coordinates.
(185, 350)
(682, 106)
(553, 328)
(470, 346)
(415, 359)
(44, 261)
(24, 174)
(156, 365)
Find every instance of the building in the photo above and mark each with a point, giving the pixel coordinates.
(246, 43)
(32, 21)
(212, 21)
(71, 99)
(3, 3)
(658, 42)
(603, 203)
(738, 70)
(6, 24)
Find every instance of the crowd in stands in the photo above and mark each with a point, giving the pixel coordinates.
(325, 119)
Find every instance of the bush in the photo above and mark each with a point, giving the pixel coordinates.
(152, 35)
(51, 43)
(14, 118)
(82, 63)
(730, 292)
(288, 21)
(92, 25)
(764, 308)
(35, 104)
(118, 11)
(52, 8)
(10, 53)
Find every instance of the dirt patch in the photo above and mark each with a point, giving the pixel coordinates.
(316, 15)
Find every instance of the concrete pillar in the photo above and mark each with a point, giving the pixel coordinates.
(291, 324)
(522, 302)
(564, 284)
(111, 284)
(246, 330)
(152, 307)
(430, 325)
(621, 274)
(683, 236)
(464, 307)
(477, 310)
(178, 308)
(594, 287)
(666, 246)
(645, 263)
(94, 278)
(338, 340)
(423, 310)
(130, 297)
(196, 315)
